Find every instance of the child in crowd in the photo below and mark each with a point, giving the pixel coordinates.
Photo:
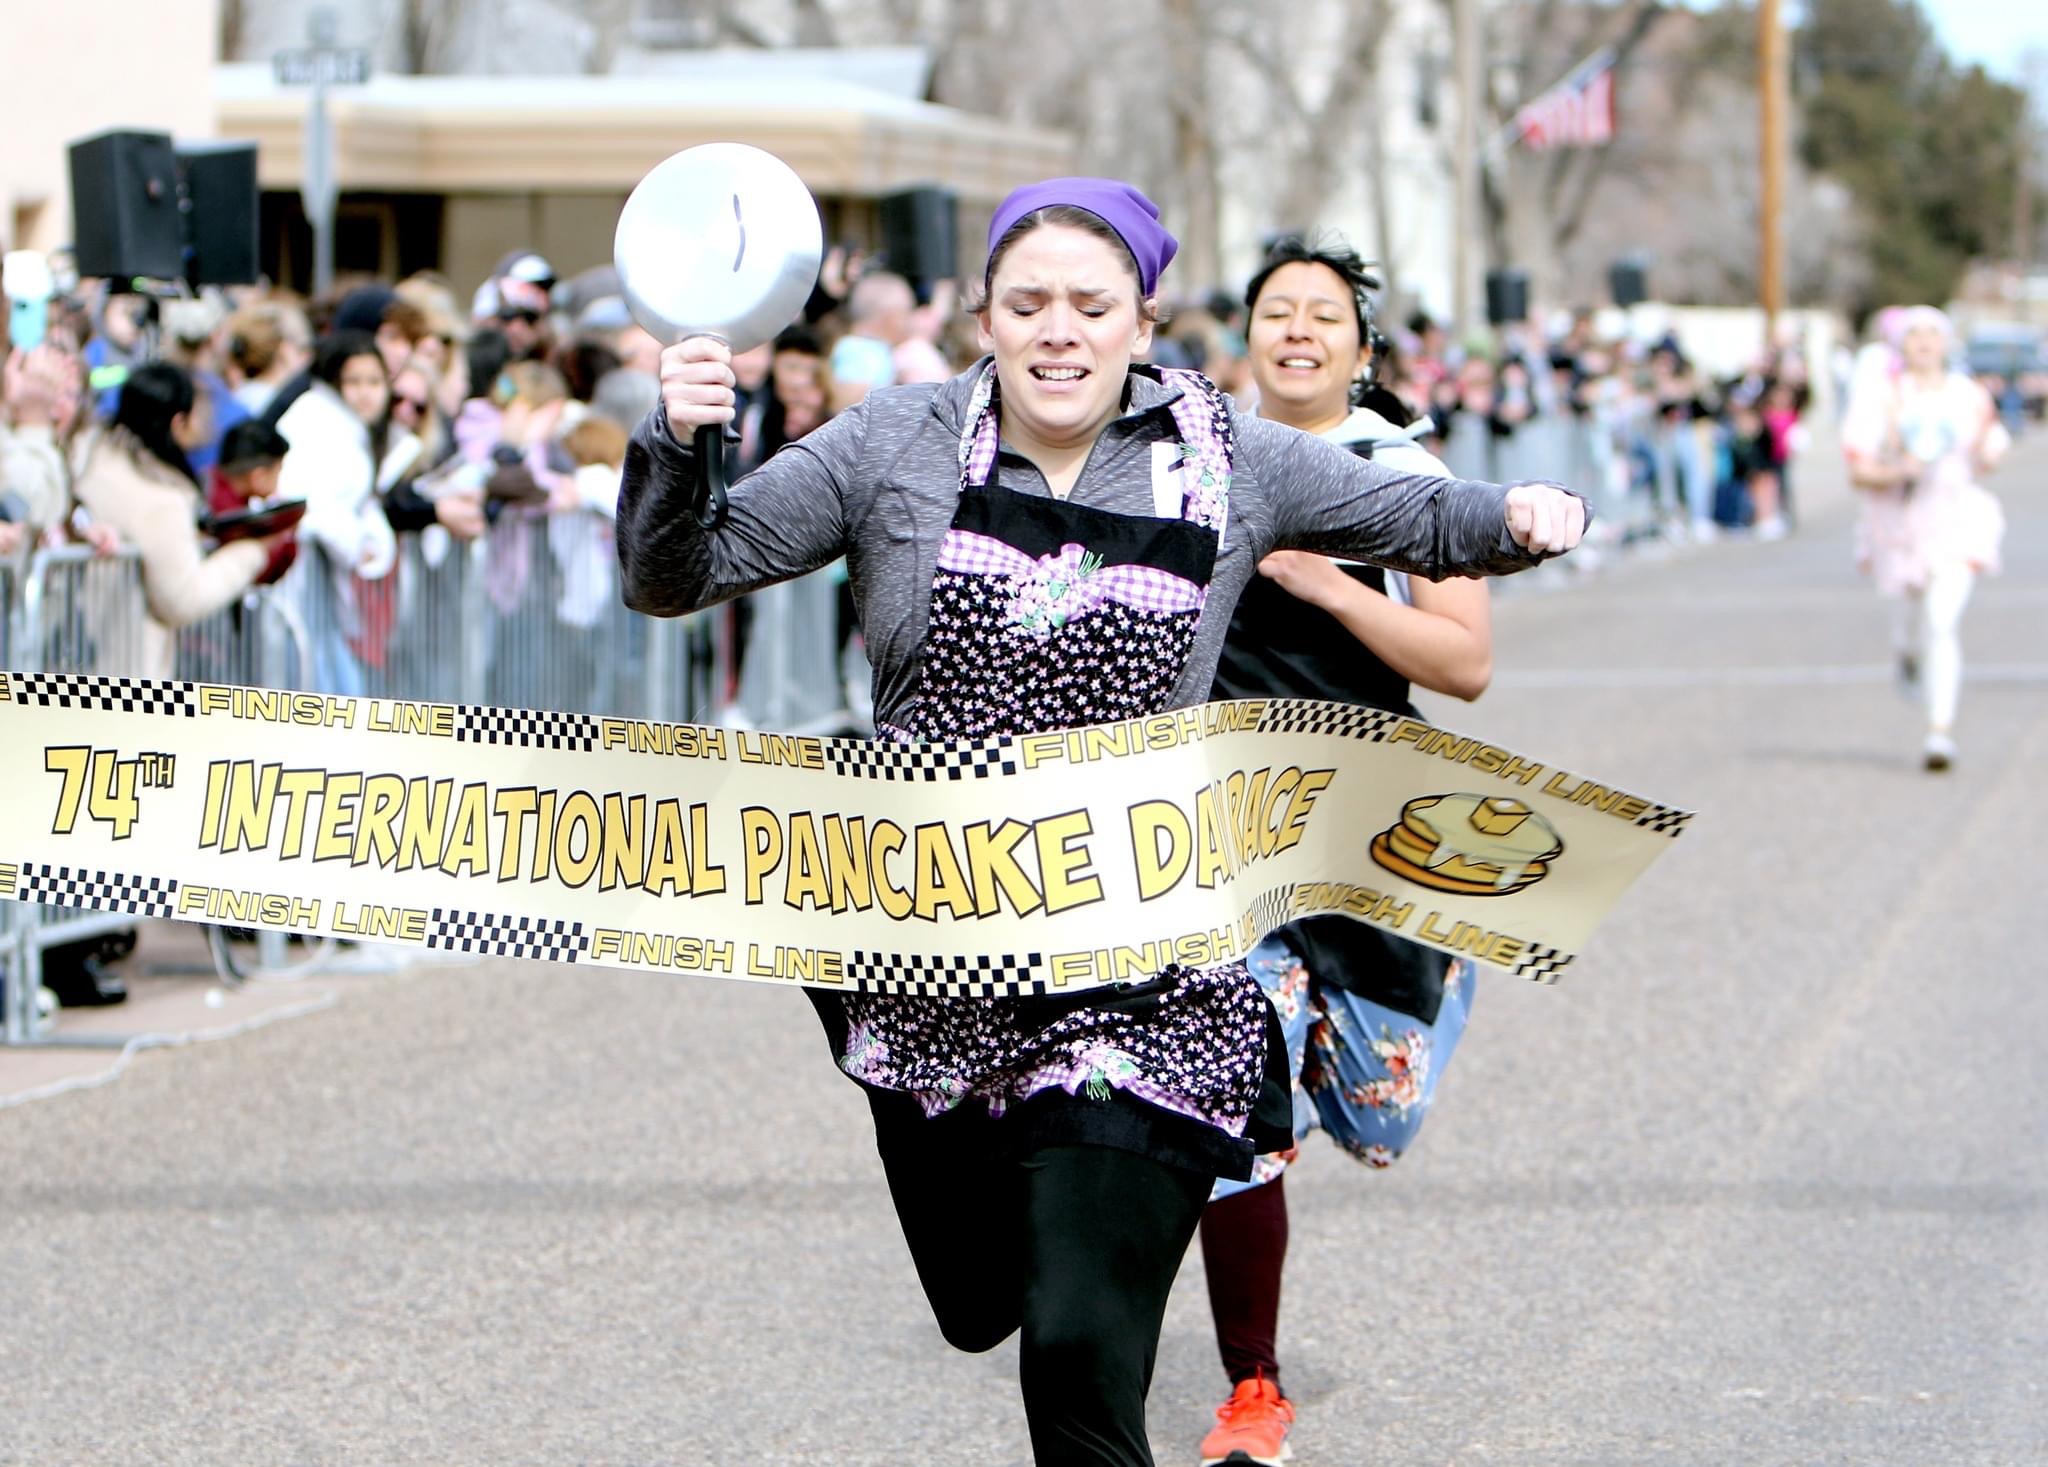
(251, 456)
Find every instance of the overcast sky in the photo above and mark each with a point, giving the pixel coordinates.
(1993, 33)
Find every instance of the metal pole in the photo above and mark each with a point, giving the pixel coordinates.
(319, 189)
(1773, 85)
(1465, 222)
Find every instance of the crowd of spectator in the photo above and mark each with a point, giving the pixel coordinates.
(1664, 447)
(404, 416)
(400, 409)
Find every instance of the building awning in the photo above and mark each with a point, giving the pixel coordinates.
(489, 134)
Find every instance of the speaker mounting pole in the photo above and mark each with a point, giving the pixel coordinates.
(317, 66)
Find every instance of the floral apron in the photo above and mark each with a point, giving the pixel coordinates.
(1050, 615)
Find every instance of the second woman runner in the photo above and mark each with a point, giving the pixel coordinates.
(1370, 1019)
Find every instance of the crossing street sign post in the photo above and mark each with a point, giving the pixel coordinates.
(307, 67)
(317, 66)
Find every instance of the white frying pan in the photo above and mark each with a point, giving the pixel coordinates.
(720, 240)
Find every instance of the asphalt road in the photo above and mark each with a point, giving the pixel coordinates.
(1764, 1180)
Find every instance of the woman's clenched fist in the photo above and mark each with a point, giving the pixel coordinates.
(1544, 519)
(696, 385)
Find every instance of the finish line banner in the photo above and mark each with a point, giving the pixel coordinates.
(998, 867)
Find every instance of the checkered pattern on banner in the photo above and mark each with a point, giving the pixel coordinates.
(1345, 721)
(109, 694)
(886, 759)
(1272, 909)
(1542, 964)
(1007, 975)
(550, 941)
(1665, 820)
(106, 891)
(527, 728)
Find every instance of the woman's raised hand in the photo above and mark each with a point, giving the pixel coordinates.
(696, 385)
(1545, 519)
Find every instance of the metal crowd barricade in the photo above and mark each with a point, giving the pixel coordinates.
(76, 612)
(79, 612)
(1468, 449)
(84, 613)
(791, 678)
(11, 575)
(255, 642)
(527, 616)
(1633, 471)
(435, 650)
(16, 999)
(558, 636)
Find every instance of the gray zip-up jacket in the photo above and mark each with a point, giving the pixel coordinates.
(879, 484)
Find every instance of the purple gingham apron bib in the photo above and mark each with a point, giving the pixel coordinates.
(1048, 615)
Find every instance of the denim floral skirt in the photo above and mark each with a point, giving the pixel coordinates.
(1364, 1073)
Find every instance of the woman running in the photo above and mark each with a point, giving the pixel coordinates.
(1370, 1019)
(1918, 439)
(1052, 539)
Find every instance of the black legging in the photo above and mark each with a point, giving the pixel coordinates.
(1077, 1246)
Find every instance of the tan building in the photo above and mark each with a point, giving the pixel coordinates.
(450, 172)
(140, 64)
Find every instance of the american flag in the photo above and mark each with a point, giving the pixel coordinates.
(1576, 113)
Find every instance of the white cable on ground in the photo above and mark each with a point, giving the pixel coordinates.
(141, 1042)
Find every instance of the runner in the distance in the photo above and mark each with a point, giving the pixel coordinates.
(1918, 439)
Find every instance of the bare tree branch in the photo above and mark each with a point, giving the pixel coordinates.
(610, 21)
(424, 30)
(1597, 160)
(1357, 61)
(813, 25)
(1194, 153)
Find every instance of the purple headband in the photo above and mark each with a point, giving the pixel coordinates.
(1134, 217)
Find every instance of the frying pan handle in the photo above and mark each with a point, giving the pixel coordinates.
(708, 504)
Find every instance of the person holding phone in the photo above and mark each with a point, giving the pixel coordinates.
(252, 456)
(137, 480)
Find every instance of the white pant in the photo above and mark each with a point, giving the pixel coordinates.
(1928, 628)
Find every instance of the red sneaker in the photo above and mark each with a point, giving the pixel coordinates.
(1251, 1427)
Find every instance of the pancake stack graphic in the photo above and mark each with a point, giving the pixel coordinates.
(1474, 845)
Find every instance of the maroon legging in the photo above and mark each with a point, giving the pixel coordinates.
(1244, 1245)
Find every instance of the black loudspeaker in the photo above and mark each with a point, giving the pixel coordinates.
(220, 212)
(1627, 283)
(920, 233)
(124, 206)
(1507, 297)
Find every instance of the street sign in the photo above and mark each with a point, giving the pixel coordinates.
(316, 67)
(321, 67)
